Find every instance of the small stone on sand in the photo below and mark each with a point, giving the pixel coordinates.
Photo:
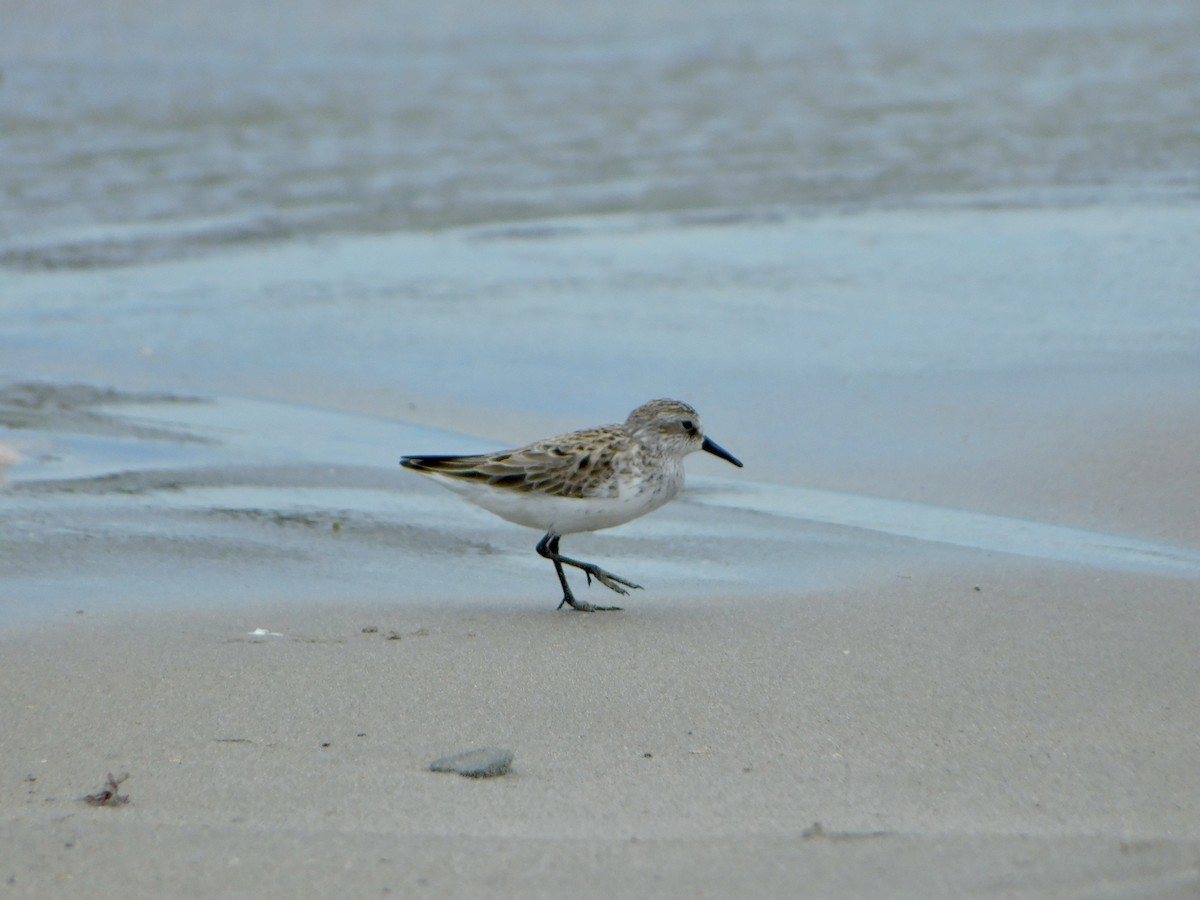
(486, 762)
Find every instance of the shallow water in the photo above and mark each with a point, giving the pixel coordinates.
(812, 333)
(142, 132)
(176, 501)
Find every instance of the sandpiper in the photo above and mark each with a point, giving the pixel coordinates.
(582, 481)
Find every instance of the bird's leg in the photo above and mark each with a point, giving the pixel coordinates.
(608, 579)
(543, 548)
(548, 547)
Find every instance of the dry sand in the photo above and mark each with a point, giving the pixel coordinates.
(992, 728)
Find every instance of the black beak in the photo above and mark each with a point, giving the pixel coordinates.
(715, 450)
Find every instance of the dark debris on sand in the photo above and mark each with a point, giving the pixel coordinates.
(108, 795)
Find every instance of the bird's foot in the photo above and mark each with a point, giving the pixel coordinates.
(609, 580)
(584, 606)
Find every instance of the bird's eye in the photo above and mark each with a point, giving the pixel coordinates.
(689, 426)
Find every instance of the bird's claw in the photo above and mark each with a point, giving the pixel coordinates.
(611, 581)
(584, 606)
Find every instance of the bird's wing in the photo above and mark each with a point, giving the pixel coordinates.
(579, 464)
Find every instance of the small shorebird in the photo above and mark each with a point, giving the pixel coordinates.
(582, 481)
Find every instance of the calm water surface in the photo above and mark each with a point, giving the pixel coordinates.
(133, 131)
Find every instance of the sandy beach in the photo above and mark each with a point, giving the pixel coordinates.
(913, 718)
(986, 729)
(942, 644)
(931, 276)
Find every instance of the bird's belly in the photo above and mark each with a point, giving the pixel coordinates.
(567, 515)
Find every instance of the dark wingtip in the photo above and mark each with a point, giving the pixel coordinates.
(421, 463)
(432, 463)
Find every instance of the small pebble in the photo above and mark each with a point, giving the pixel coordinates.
(486, 762)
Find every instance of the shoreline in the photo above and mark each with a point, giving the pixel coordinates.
(844, 651)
